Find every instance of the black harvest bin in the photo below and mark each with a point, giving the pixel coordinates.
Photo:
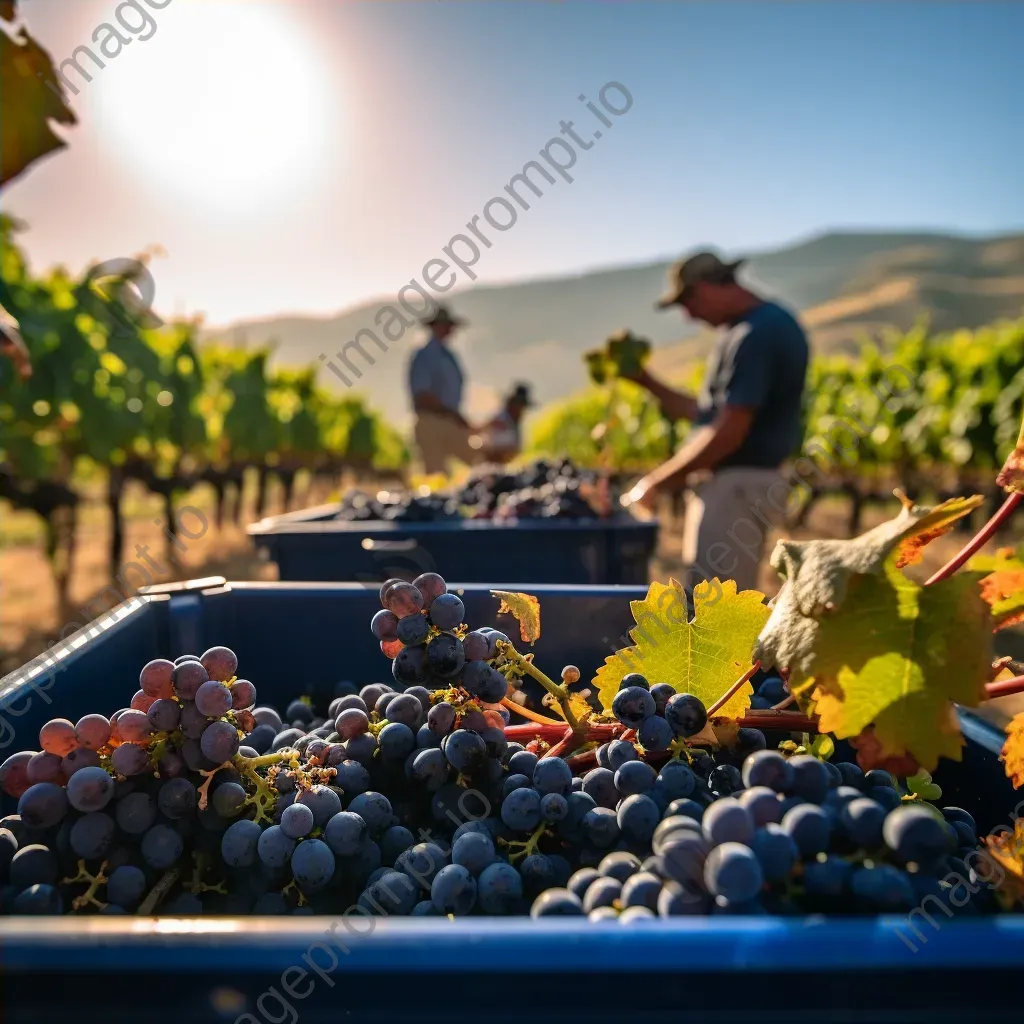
(312, 545)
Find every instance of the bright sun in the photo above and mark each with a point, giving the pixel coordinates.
(226, 104)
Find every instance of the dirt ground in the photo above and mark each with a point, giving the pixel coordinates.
(30, 615)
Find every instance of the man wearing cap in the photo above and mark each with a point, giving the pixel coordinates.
(501, 441)
(436, 381)
(747, 418)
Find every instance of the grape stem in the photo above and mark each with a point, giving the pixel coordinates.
(158, 892)
(527, 667)
(525, 712)
(1005, 687)
(564, 744)
(734, 689)
(979, 540)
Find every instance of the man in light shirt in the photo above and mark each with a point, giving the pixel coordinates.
(501, 437)
(436, 383)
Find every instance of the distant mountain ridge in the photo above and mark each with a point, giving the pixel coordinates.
(843, 283)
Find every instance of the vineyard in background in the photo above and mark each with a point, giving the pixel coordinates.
(110, 399)
(112, 402)
(934, 414)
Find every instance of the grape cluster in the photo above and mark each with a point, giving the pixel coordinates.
(408, 798)
(110, 801)
(542, 490)
(419, 627)
(397, 506)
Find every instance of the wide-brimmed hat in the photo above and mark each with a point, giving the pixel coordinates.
(687, 273)
(442, 316)
(521, 393)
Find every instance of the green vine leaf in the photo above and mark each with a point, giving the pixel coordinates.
(704, 656)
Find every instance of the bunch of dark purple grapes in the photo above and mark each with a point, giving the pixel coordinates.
(113, 794)
(420, 628)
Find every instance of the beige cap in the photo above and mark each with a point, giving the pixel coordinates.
(702, 266)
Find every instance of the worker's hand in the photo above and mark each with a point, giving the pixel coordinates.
(642, 498)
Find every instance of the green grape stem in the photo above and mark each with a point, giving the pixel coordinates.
(158, 892)
(527, 667)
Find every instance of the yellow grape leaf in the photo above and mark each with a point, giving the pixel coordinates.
(1004, 558)
(817, 573)
(1013, 751)
(525, 608)
(1003, 590)
(941, 519)
(898, 657)
(704, 656)
(1006, 846)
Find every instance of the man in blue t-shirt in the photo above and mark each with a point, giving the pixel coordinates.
(748, 420)
(436, 384)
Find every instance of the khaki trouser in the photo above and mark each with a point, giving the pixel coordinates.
(728, 519)
(440, 439)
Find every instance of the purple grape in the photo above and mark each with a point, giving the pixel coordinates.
(444, 654)
(45, 767)
(43, 805)
(431, 586)
(219, 742)
(133, 727)
(129, 759)
(447, 611)
(384, 625)
(351, 722)
(213, 699)
(476, 646)
(220, 662)
(686, 714)
(243, 694)
(297, 821)
(92, 732)
(410, 665)
(164, 715)
(77, 760)
(188, 677)
(413, 629)
(632, 705)
(441, 718)
(90, 789)
(404, 599)
(193, 721)
(157, 678)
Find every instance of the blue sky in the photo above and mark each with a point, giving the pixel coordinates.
(303, 156)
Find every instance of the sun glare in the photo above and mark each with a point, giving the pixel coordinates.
(226, 103)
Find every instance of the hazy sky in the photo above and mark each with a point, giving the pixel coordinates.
(303, 155)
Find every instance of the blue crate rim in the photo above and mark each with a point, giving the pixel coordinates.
(515, 945)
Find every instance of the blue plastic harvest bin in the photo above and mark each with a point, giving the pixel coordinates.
(291, 638)
(312, 545)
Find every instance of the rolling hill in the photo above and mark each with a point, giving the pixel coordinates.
(844, 284)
